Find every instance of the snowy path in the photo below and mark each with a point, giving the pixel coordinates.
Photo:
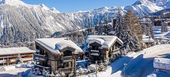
(141, 64)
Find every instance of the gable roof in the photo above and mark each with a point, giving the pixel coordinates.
(105, 40)
(56, 45)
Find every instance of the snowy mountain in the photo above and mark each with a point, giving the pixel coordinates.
(146, 7)
(20, 22)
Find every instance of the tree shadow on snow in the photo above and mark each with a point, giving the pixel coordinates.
(26, 73)
(119, 63)
(138, 67)
(165, 56)
(7, 75)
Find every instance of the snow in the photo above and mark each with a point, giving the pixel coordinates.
(11, 71)
(55, 10)
(12, 2)
(140, 64)
(15, 50)
(145, 7)
(44, 7)
(57, 44)
(99, 41)
(19, 3)
(161, 63)
(166, 34)
(147, 39)
(105, 73)
(105, 40)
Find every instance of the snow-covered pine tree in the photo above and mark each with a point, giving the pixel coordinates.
(127, 28)
(135, 29)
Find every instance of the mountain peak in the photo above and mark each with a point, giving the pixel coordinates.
(157, 2)
(18, 3)
(55, 10)
(44, 6)
(12, 2)
(141, 2)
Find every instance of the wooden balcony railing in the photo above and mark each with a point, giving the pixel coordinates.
(39, 57)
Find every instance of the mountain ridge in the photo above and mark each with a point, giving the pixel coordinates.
(20, 22)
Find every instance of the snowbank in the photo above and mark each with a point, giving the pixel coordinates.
(140, 64)
(161, 63)
(105, 73)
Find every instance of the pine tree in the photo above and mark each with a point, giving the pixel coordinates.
(135, 29)
(128, 29)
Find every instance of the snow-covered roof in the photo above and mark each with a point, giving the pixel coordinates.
(147, 39)
(15, 50)
(157, 35)
(105, 40)
(56, 44)
(167, 34)
(162, 60)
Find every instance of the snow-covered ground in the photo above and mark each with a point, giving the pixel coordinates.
(140, 64)
(12, 72)
(15, 70)
(105, 73)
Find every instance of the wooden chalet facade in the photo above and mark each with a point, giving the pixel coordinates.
(15, 55)
(102, 48)
(56, 56)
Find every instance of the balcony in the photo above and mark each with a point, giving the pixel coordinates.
(66, 70)
(39, 57)
(95, 51)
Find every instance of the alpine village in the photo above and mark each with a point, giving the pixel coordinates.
(120, 43)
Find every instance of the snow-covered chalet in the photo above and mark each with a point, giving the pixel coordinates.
(15, 55)
(103, 48)
(56, 56)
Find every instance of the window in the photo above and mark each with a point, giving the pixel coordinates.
(66, 65)
(67, 53)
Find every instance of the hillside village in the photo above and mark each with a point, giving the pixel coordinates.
(125, 45)
(95, 51)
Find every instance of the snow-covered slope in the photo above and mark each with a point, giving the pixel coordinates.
(146, 7)
(21, 22)
(140, 64)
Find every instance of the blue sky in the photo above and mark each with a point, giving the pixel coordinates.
(83, 5)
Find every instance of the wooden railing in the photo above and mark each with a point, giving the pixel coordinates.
(66, 70)
(39, 57)
(96, 51)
